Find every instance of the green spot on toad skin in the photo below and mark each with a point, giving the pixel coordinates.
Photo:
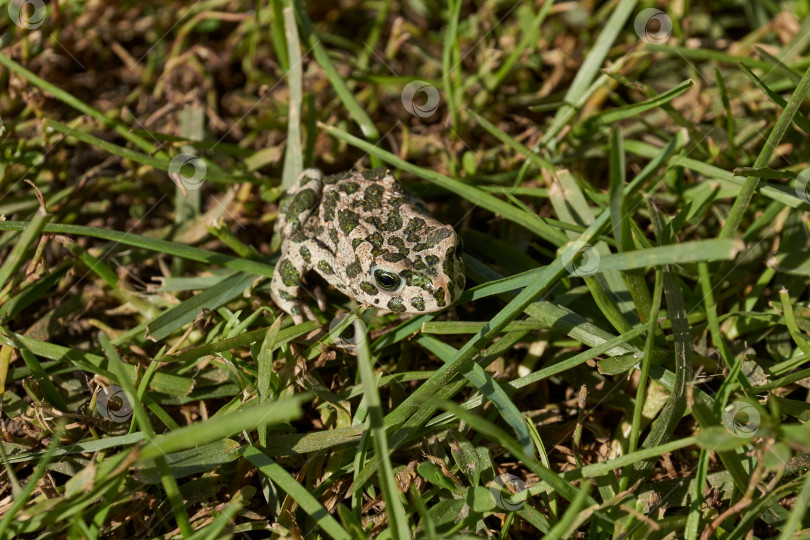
(392, 257)
(329, 205)
(347, 220)
(434, 237)
(325, 268)
(289, 275)
(368, 288)
(335, 178)
(313, 230)
(395, 304)
(415, 229)
(375, 175)
(286, 296)
(372, 197)
(432, 260)
(399, 243)
(349, 187)
(376, 240)
(356, 242)
(438, 294)
(305, 254)
(333, 236)
(418, 303)
(301, 202)
(449, 263)
(353, 269)
(394, 222)
(415, 279)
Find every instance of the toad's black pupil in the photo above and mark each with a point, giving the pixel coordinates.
(387, 280)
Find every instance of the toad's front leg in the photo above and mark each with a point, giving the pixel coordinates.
(285, 287)
(300, 256)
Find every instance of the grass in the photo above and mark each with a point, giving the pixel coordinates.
(629, 360)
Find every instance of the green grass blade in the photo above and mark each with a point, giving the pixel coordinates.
(266, 374)
(223, 519)
(740, 205)
(490, 388)
(449, 75)
(357, 112)
(304, 498)
(166, 383)
(573, 515)
(515, 145)
(212, 298)
(686, 252)
(152, 244)
(284, 336)
(78, 104)
(635, 109)
(201, 433)
(45, 384)
(168, 481)
(397, 522)
(29, 235)
(472, 194)
(798, 336)
(664, 425)
(21, 498)
(596, 56)
(801, 120)
(494, 433)
(293, 157)
(800, 506)
(161, 164)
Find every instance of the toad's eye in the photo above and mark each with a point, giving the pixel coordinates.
(387, 281)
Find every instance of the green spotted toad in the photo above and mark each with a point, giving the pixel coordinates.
(365, 236)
